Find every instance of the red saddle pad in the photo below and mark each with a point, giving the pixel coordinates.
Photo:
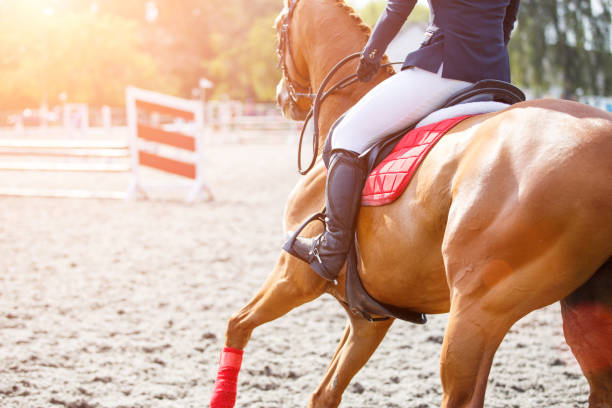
(389, 179)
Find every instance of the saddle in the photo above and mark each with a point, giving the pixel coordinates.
(488, 90)
(498, 93)
(358, 299)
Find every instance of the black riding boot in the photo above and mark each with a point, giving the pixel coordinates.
(327, 252)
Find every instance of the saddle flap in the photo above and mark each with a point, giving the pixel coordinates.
(360, 301)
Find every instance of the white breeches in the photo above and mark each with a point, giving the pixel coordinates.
(392, 105)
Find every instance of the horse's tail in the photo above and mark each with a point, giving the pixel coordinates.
(597, 289)
(587, 325)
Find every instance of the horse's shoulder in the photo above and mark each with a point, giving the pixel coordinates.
(307, 196)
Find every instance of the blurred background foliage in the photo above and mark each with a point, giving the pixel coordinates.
(563, 45)
(89, 50)
(371, 10)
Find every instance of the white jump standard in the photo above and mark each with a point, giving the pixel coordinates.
(183, 137)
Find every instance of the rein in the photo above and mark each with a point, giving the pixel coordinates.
(316, 106)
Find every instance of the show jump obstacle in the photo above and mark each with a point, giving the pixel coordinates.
(165, 133)
(176, 147)
(75, 155)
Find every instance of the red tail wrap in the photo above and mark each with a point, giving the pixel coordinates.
(224, 395)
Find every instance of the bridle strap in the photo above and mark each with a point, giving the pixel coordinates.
(284, 49)
(292, 6)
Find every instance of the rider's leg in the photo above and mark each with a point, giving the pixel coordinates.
(326, 253)
(393, 104)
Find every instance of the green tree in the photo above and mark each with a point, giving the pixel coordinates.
(372, 10)
(247, 67)
(88, 56)
(243, 46)
(564, 44)
(92, 49)
(230, 43)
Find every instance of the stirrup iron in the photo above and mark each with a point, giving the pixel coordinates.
(320, 216)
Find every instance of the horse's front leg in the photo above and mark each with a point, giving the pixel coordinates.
(360, 340)
(291, 284)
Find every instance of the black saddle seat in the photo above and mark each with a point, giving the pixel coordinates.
(487, 90)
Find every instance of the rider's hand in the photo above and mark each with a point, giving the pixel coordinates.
(369, 64)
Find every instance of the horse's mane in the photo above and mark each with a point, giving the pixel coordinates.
(363, 27)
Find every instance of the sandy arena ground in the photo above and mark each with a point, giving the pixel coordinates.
(124, 304)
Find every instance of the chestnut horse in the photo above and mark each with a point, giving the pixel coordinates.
(510, 212)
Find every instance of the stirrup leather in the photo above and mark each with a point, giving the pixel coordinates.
(314, 250)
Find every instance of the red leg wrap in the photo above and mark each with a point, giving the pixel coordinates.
(224, 395)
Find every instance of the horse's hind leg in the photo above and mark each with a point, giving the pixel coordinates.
(587, 325)
(472, 337)
(498, 275)
(480, 317)
(290, 285)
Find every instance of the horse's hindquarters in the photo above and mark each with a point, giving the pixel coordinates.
(400, 243)
(530, 221)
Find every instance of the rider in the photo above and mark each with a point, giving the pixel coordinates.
(464, 43)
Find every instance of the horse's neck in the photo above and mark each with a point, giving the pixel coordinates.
(332, 34)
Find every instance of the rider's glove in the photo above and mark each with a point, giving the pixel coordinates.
(369, 64)
(388, 25)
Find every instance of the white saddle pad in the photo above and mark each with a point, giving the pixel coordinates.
(470, 108)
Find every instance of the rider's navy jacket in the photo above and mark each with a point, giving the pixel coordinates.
(468, 36)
